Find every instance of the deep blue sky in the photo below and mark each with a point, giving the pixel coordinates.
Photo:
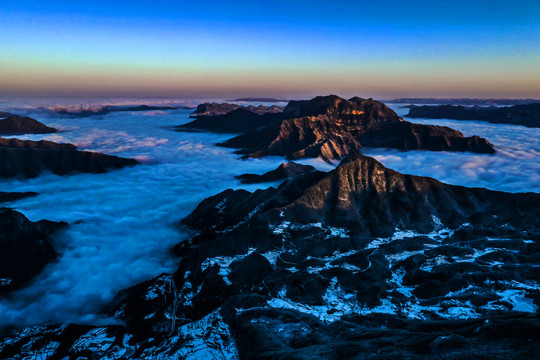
(293, 48)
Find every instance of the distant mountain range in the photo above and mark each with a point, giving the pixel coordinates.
(462, 101)
(526, 115)
(259, 99)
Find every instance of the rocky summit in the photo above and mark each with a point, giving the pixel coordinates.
(17, 125)
(26, 158)
(331, 128)
(362, 262)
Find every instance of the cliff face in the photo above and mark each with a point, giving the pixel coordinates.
(331, 127)
(29, 158)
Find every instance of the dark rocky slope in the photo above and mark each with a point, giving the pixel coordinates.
(284, 171)
(526, 114)
(25, 248)
(29, 158)
(331, 128)
(16, 125)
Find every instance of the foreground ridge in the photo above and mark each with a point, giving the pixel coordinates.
(341, 264)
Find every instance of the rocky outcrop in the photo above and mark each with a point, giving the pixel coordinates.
(331, 128)
(28, 158)
(239, 120)
(284, 171)
(215, 109)
(526, 115)
(13, 196)
(16, 125)
(25, 248)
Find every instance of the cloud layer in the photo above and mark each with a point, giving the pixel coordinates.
(123, 221)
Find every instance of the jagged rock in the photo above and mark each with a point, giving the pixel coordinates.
(214, 109)
(25, 248)
(524, 114)
(284, 171)
(16, 125)
(28, 158)
(331, 128)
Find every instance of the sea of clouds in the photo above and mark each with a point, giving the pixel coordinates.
(123, 223)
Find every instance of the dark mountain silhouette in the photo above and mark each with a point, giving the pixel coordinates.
(239, 120)
(28, 158)
(526, 115)
(13, 196)
(25, 248)
(16, 125)
(215, 109)
(463, 101)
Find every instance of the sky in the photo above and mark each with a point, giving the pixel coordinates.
(380, 49)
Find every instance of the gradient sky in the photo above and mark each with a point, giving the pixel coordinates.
(281, 48)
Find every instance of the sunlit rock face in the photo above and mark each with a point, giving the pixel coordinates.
(25, 248)
(26, 158)
(16, 125)
(331, 128)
